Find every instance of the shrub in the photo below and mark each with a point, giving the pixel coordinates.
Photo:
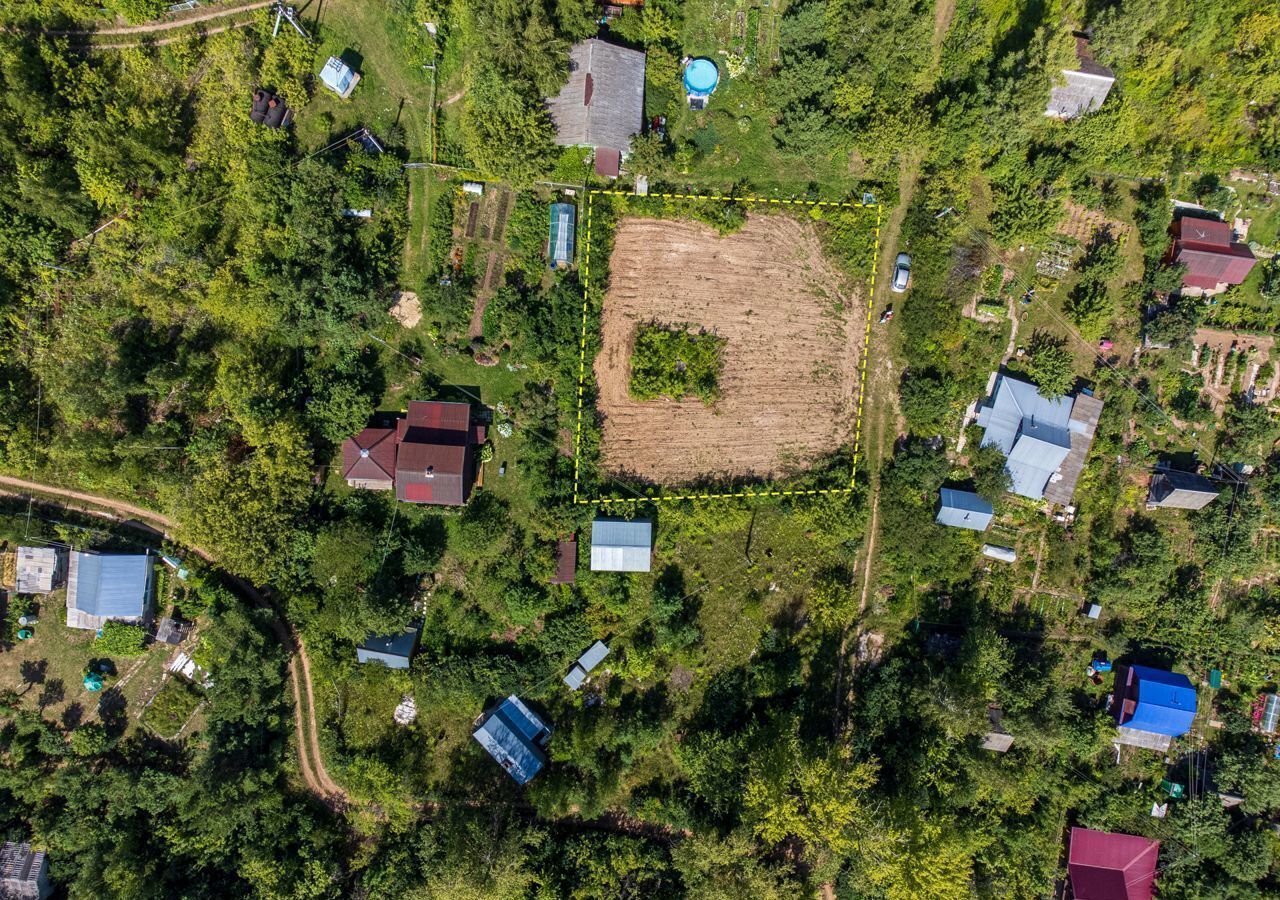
(671, 361)
(120, 639)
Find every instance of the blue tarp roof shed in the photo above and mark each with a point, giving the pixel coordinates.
(113, 585)
(1166, 702)
(964, 509)
(560, 244)
(1033, 432)
(511, 734)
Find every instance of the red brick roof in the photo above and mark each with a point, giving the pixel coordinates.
(1107, 866)
(370, 455)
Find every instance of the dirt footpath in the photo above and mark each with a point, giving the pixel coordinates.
(790, 358)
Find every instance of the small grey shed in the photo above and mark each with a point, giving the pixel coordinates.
(964, 509)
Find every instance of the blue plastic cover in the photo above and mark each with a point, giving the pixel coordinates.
(1166, 702)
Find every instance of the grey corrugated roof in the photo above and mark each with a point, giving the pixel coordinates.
(1032, 432)
(592, 658)
(394, 651)
(1181, 490)
(1083, 92)
(619, 545)
(964, 509)
(509, 733)
(114, 585)
(602, 104)
(37, 569)
(575, 677)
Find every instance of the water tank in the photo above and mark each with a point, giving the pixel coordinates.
(1271, 714)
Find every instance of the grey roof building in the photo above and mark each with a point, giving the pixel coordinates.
(619, 545)
(24, 873)
(393, 651)
(1171, 489)
(40, 569)
(586, 662)
(964, 509)
(170, 631)
(1085, 88)
(602, 104)
(514, 735)
(108, 587)
(1045, 442)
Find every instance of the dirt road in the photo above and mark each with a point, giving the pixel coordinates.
(793, 338)
(310, 758)
(168, 24)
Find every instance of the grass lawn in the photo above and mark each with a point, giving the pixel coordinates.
(424, 187)
(391, 89)
(48, 670)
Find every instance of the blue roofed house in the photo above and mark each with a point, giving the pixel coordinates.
(1045, 441)
(1152, 706)
(108, 587)
(514, 735)
(394, 651)
(621, 545)
(964, 509)
(560, 241)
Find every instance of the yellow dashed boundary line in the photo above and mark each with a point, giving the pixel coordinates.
(729, 495)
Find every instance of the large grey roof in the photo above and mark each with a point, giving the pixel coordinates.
(964, 509)
(110, 586)
(510, 733)
(602, 104)
(619, 545)
(1083, 92)
(1033, 432)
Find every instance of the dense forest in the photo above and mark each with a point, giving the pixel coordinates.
(195, 317)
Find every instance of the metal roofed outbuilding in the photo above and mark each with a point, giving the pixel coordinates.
(602, 103)
(107, 587)
(512, 734)
(1171, 489)
(338, 77)
(964, 509)
(1153, 701)
(24, 873)
(40, 569)
(393, 651)
(621, 545)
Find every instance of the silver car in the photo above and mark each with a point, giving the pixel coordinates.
(901, 274)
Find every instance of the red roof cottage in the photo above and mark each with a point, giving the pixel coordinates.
(1106, 866)
(428, 457)
(1212, 258)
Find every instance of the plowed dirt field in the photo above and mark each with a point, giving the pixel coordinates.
(793, 329)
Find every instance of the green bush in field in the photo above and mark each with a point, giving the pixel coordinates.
(120, 639)
(672, 361)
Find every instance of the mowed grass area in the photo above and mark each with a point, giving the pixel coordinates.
(392, 91)
(424, 187)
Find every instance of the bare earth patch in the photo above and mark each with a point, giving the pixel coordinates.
(407, 309)
(793, 336)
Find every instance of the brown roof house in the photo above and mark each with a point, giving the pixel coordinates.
(1084, 88)
(602, 104)
(429, 457)
(1103, 865)
(1214, 260)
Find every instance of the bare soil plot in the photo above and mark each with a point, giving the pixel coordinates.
(793, 331)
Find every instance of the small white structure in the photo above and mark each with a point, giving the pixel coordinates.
(1004, 554)
(338, 77)
(407, 711)
(586, 662)
(357, 213)
(1095, 611)
(473, 187)
(40, 569)
(184, 665)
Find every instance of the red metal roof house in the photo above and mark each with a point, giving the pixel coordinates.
(1212, 258)
(427, 458)
(1106, 866)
